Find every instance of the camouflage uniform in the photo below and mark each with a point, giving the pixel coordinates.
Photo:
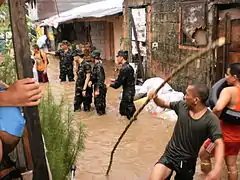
(83, 69)
(98, 79)
(127, 81)
(66, 64)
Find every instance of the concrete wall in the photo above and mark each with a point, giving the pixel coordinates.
(118, 34)
(170, 52)
(106, 33)
(163, 30)
(98, 36)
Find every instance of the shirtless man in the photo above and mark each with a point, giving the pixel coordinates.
(229, 97)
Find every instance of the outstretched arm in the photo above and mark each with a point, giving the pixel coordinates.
(158, 101)
(51, 53)
(120, 79)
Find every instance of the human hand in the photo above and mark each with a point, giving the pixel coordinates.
(96, 93)
(90, 84)
(84, 93)
(213, 175)
(25, 92)
(151, 95)
(4, 84)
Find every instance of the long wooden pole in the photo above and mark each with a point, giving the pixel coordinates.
(218, 43)
(24, 69)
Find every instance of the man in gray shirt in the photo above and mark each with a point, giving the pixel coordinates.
(194, 125)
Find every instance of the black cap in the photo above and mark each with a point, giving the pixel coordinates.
(65, 42)
(123, 53)
(96, 54)
(78, 52)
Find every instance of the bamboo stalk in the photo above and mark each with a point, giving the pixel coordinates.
(216, 44)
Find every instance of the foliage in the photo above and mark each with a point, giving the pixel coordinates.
(125, 42)
(8, 67)
(4, 18)
(8, 70)
(63, 142)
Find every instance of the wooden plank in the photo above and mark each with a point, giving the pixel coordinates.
(27, 149)
(140, 65)
(24, 69)
(21, 161)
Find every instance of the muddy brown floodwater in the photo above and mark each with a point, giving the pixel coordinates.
(140, 148)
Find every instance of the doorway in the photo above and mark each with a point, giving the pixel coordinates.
(228, 27)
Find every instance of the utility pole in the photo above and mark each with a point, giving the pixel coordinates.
(24, 69)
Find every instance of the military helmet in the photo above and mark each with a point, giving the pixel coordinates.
(96, 54)
(78, 52)
(65, 42)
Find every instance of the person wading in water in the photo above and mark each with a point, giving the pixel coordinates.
(194, 125)
(83, 93)
(65, 55)
(230, 98)
(98, 80)
(127, 81)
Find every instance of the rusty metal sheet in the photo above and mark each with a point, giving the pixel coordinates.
(234, 57)
(193, 17)
(225, 1)
(236, 30)
(234, 13)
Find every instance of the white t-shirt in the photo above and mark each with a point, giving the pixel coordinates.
(35, 74)
(34, 70)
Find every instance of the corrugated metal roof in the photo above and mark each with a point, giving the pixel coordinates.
(97, 9)
(65, 5)
(49, 8)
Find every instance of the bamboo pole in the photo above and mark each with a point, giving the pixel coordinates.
(24, 70)
(217, 43)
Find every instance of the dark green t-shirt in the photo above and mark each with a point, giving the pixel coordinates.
(189, 134)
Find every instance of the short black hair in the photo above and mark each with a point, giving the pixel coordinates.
(202, 92)
(81, 56)
(35, 46)
(125, 56)
(235, 69)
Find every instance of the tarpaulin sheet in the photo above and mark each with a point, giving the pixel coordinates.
(97, 9)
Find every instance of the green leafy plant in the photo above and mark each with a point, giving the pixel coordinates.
(63, 136)
(8, 70)
(125, 41)
(7, 65)
(63, 140)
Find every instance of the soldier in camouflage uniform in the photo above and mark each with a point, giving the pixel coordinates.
(83, 93)
(127, 81)
(97, 80)
(66, 62)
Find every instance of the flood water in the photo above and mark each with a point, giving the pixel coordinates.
(138, 151)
